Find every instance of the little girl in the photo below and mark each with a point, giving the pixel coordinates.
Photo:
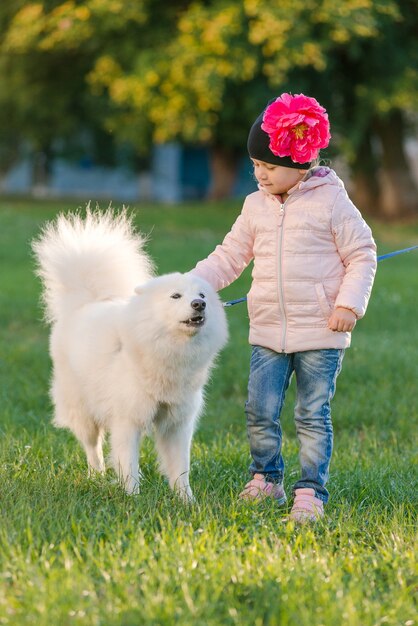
(314, 266)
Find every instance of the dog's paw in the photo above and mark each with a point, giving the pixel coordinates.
(186, 495)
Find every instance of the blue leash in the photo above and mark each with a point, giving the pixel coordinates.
(387, 256)
(379, 258)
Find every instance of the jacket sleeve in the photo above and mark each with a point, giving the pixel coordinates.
(229, 259)
(357, 250)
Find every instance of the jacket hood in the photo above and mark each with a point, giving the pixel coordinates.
(321, 175)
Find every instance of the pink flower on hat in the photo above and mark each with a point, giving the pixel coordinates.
(298, 127)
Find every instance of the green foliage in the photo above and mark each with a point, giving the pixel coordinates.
(74, 550)
(44, 95)
(201, 71)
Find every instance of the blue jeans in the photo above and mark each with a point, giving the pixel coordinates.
(316, 373)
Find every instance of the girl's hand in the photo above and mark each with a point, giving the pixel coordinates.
(342, 320)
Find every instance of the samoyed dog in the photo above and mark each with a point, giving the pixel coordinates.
(131, 352)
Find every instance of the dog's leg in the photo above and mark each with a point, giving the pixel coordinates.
(94, 453)
(173, 442)
(91, 437)
(71, 412)
(125, 454)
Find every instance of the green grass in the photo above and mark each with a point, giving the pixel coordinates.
(78, 551)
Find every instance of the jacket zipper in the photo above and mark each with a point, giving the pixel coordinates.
(280, 269)
(280, 277)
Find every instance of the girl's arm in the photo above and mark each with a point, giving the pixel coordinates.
(231, 257)
(357, 249)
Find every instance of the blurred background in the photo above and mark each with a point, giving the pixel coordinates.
(152, 99)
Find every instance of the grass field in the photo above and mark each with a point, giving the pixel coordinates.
(78, 551)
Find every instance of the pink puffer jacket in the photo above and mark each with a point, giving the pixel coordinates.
(311, 254)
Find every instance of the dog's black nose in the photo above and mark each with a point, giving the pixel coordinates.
(198, 304)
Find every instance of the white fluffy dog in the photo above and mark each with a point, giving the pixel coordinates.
(131, 353)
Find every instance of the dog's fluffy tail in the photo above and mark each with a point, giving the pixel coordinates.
(82, 260)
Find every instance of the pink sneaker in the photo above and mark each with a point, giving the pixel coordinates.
(306, 507)
(258, 489)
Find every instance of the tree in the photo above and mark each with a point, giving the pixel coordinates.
(201, 71)
(44, 94)
(362, 64)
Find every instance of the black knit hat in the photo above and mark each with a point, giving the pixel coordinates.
(258, 148)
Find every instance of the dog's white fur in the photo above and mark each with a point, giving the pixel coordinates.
(124, 361)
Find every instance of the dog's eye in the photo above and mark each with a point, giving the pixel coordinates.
(176, 296)
(201, 295)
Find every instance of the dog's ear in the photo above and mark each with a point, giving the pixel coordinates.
(139, 289)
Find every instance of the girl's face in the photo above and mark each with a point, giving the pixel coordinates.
(276, 179)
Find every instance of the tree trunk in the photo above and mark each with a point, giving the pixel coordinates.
(364, 172)
(3, 176)
(224, 167)
(9, 156)
(399, 194)
(41, 172)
